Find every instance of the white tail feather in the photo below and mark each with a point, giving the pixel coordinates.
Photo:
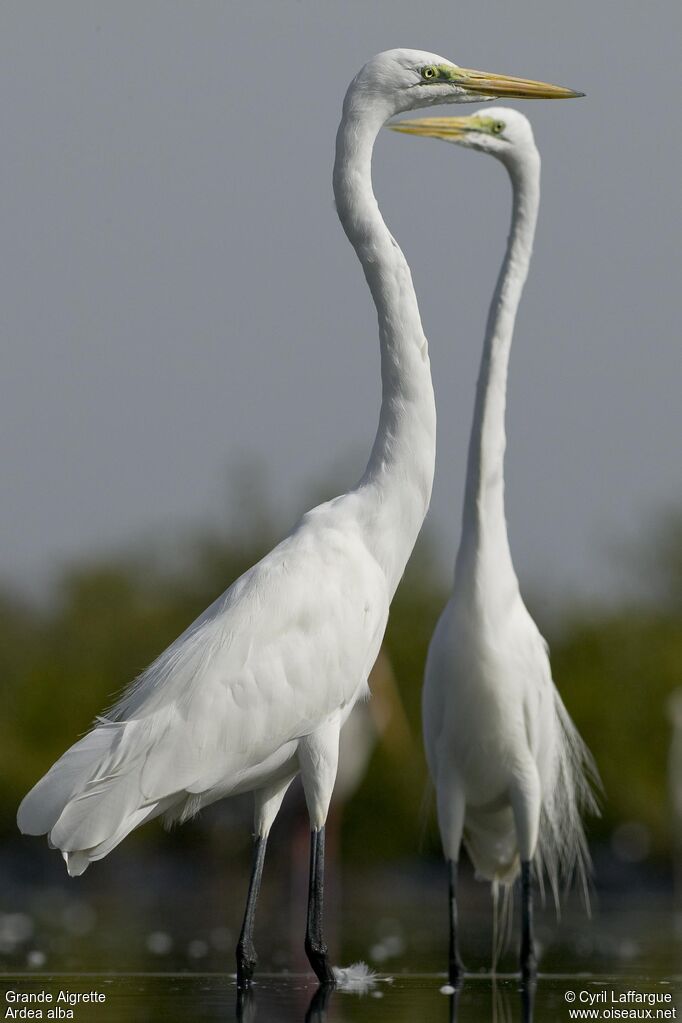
(562, 854)
(91, 798)
(77, 862)
(43, 806)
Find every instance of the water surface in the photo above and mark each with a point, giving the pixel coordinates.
(278, 998)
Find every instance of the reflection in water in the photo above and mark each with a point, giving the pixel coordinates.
(528, 1001)
(454, 1002)
(317, 1007)
(319, 1003)
(502, 1011)
(501, 1002)
(292, 998)
(246, 1005)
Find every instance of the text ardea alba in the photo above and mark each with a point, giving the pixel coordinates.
(257, 688)
(507, 762)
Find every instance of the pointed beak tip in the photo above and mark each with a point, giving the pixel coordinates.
(491, 85)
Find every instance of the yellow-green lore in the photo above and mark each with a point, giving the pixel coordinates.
(486, 83)
(449, 127)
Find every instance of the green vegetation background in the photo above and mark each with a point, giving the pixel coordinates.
(65, 657)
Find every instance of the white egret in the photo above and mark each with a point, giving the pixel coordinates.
(508, 765)
(258, 687)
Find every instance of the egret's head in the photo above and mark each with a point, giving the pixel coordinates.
(402, 80)
(502, 132)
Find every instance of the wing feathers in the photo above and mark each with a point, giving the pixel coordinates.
(289, 643)
(42, 807)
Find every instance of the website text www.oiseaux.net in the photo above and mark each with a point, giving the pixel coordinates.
(609, 1005)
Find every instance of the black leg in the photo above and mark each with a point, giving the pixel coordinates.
(528, 965)
(246, 952)
(315, 948)
(455, 965)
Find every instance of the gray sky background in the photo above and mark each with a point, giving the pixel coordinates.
(177, 293)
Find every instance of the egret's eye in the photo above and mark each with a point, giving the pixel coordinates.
(498, 127)
(429, 72)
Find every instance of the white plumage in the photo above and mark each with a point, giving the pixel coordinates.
(283, 652)
(509, 768)
(258, 687)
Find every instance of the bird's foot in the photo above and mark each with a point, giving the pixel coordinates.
(529, 967)
(456, 971)
(319, 960)
(247, 961)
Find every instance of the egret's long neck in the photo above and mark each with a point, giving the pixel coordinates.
(484, 547)
(395, 490)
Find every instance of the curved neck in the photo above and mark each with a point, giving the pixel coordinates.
(484, 532)
(396, 487)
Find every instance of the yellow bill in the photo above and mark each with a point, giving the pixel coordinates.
(438, 127)
(485, 83)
